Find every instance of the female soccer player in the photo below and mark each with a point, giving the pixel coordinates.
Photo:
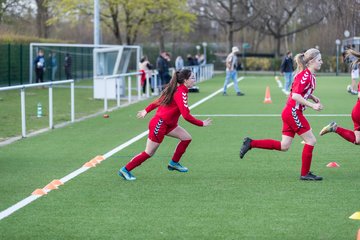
(351, 136)
(172, 103)
(292, 116)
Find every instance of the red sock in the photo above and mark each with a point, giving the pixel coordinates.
(346, 134)
(180, 150)
(266, 144)
(306, 159)
(137, 160)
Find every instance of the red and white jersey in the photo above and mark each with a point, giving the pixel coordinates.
(178, 106)
(304, 84)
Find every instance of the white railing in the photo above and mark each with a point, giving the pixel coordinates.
(124, 76)
(202, 73)
(50, 86)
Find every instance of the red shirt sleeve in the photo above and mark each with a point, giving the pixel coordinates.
(301, 81)
(152, 106)
(181, 99)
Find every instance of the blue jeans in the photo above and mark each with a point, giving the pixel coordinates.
(231, 75)
(288, 80)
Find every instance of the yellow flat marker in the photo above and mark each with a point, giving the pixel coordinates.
(355, 216)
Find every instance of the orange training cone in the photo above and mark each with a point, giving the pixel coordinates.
(89, 164)
(267, 95)
(56, 182)
(50, 187)
(333, 165)
(358, 235)
(39, 192)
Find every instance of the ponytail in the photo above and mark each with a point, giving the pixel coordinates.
(302, 59)
(168, 93)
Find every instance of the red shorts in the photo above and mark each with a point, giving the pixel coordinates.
(355, 115)
(158, 129)
(294, 122)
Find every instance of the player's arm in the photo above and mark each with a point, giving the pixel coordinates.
(149, 108)
(314, 98)
(316, 106)
(181, 99)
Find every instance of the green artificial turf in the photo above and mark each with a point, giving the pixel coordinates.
(221, 197)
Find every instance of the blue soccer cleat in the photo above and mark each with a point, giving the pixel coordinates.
(176, 166)
(123, 172)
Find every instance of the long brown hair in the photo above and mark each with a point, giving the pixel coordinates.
(168, 93)
(302, 59)
(354, 53)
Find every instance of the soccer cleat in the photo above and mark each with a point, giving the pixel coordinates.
(176, 166)
(224, 94)
(331, 127)
(245, 147)
(311, 177)
(240, 94)
(123, 172)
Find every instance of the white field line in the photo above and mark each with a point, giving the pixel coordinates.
(77, 172)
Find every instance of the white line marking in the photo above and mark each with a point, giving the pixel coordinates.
(77, 172)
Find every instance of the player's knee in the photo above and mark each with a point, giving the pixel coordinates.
(187, 138)
(285, 146)
(151, 152)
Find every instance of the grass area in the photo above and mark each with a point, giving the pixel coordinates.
(222, 197)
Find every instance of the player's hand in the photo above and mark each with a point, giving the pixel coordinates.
(207, 122)
(141, 114)
(318, 107)
(316, 99)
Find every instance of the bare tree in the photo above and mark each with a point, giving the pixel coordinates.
(11, 10)
(280, 14)
(231, 15)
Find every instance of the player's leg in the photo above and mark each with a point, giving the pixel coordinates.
(269, 144)
(185, 139)
(136, 161)
(357, 137)
(306, 157)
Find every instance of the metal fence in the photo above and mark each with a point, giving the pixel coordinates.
(14, 63)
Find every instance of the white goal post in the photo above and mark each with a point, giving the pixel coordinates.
(113, 61)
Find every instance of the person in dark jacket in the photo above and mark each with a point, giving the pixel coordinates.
(286, 69)
(39, 64)
(162, 65)
(67, 66)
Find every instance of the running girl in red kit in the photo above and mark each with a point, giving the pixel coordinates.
(294, 122)
(172, 103)
(351, 136)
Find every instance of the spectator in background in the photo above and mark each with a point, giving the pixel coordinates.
(286, 69)
(201, 59)
(145, 68)
(231, 73)
(39, 64)
(162, 65)
(190, 60)
(179, 63)
(350, 58)
(67, 66)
